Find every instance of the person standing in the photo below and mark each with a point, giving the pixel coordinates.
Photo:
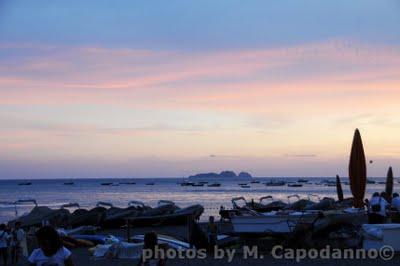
(4, 241)
(379, 205)
(17, 236)
(51, 250)
(396, 202)
(212, 233)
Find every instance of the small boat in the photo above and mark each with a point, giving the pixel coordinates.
(273, 183)
(150, 184)
(286, 222)
(382, 182)
(214, 185)
(245, 186)
(294, 185)
(270, 223)
(25, 184)
(302, 180)
(177, 217)
(198, 185)
(242, 184)
(69, 183)
(186, 184)
(127, 183)
(106, 184)
(255, 182)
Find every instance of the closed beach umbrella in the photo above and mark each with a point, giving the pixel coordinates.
(339, 189)
(389, 184)
(357, 170)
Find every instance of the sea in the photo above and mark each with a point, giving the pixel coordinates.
(87, 192)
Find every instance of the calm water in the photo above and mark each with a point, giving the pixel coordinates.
(87, 192)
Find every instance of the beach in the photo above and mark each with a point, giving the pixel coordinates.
(81, 255)
(81, 258)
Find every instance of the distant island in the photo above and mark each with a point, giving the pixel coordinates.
(223, 174)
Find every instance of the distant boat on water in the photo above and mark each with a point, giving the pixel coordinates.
(214, 185)
(69, 183)
(275, 183)
(255, 182)
(186, 184)
(245, 186)
(127, 183)
(25, 184)
(294, 185)
(106, 184)
(302, 180)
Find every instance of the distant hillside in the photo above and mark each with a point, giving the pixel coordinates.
(223, 174)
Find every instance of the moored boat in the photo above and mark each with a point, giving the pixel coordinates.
(294, 185)
(274, 183)
(25, 184)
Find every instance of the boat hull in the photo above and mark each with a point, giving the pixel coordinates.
(270, 224)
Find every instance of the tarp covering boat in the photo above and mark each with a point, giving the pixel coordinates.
(323, 205)
(42, 214)
(175, 218)
(83, 217)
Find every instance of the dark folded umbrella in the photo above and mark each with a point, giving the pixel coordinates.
(339, 189)
(389, 184)
(357, 170)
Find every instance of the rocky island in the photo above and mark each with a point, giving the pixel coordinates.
(223, 174)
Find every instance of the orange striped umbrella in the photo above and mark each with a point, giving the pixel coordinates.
(389, 184)
(339, 189)
(357, 170)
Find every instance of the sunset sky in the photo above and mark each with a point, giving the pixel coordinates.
(172, 88)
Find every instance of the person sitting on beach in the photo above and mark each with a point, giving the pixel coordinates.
(212, 232)
(51, 251)
(4, 241)
(17, 236)
(396, 202)
(378, 205)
